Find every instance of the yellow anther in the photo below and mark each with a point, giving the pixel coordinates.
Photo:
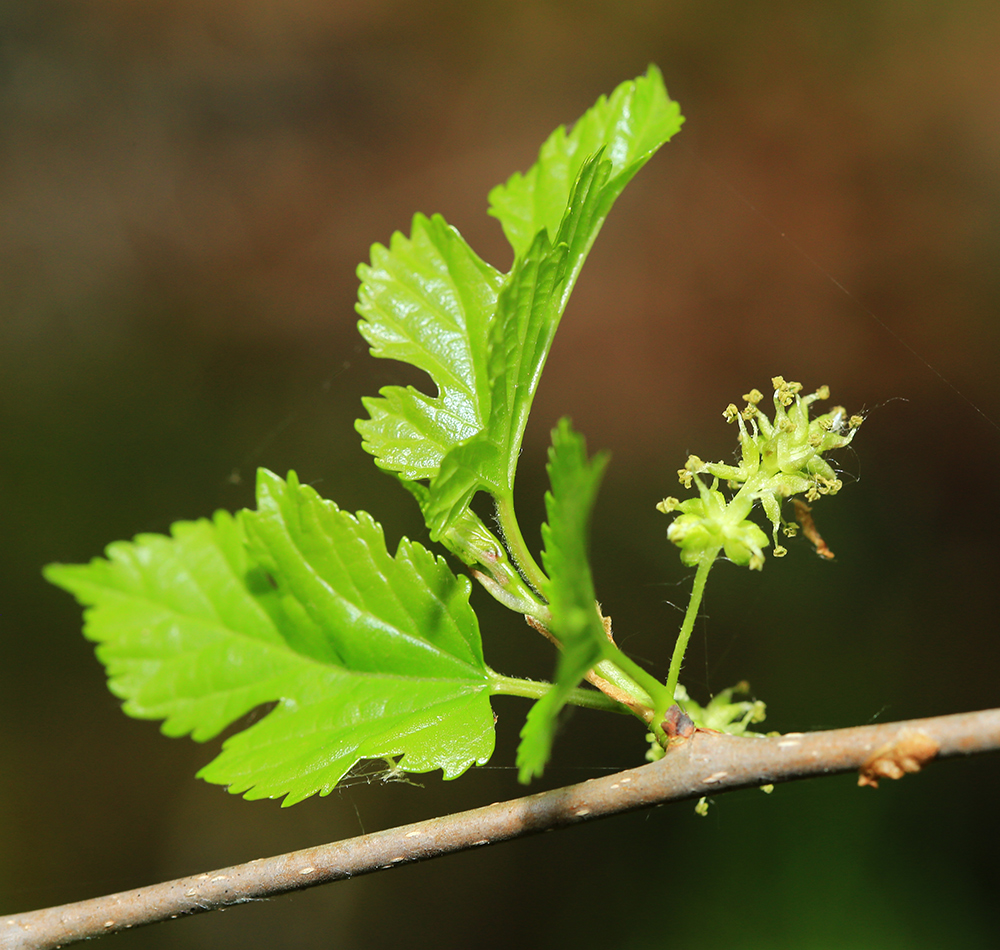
(667, 505)
(855, 421)
(779, 551)
(749, 411)
(754, 396)
(730, 413)
(784, 392)
(823, 392)
(685, 477)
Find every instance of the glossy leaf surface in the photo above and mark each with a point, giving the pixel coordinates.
(427, 300)
(485, 346)
(367, 655)
(629, 125)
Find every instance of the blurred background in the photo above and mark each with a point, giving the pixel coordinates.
(186, 190)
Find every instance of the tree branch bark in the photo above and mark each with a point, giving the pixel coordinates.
(707, 763)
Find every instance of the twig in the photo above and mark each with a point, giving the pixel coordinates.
(704, 764)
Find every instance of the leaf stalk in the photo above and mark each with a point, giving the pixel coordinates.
(516, 545)
(501, 685)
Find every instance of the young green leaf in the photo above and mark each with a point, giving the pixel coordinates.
(529, 309)
(630, 125)
(576, 622)
(427, 300)
(299, 603)
(485, 343)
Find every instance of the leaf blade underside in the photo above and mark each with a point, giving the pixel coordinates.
(576, 622)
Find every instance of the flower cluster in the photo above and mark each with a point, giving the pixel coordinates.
(779, 459)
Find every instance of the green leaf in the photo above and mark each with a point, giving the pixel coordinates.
(630, 125)
(298, 603)
(529, 309)
(484, 337)
(427, 300)
(576, 621)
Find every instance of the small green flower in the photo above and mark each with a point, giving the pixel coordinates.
(722, 713)
(778, 459)
(707, 522)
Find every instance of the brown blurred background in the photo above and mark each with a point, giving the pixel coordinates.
(185, 192)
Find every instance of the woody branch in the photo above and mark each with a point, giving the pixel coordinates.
(704, 764)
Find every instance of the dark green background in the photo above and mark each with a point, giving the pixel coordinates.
(185, 190)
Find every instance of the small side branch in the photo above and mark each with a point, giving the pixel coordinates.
(702, 765)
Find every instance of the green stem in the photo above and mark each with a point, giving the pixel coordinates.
(611, 671)
(510, 589)
(516, 545)
(617, 668)
(535, 689)
(627, 675)
(704, 566)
